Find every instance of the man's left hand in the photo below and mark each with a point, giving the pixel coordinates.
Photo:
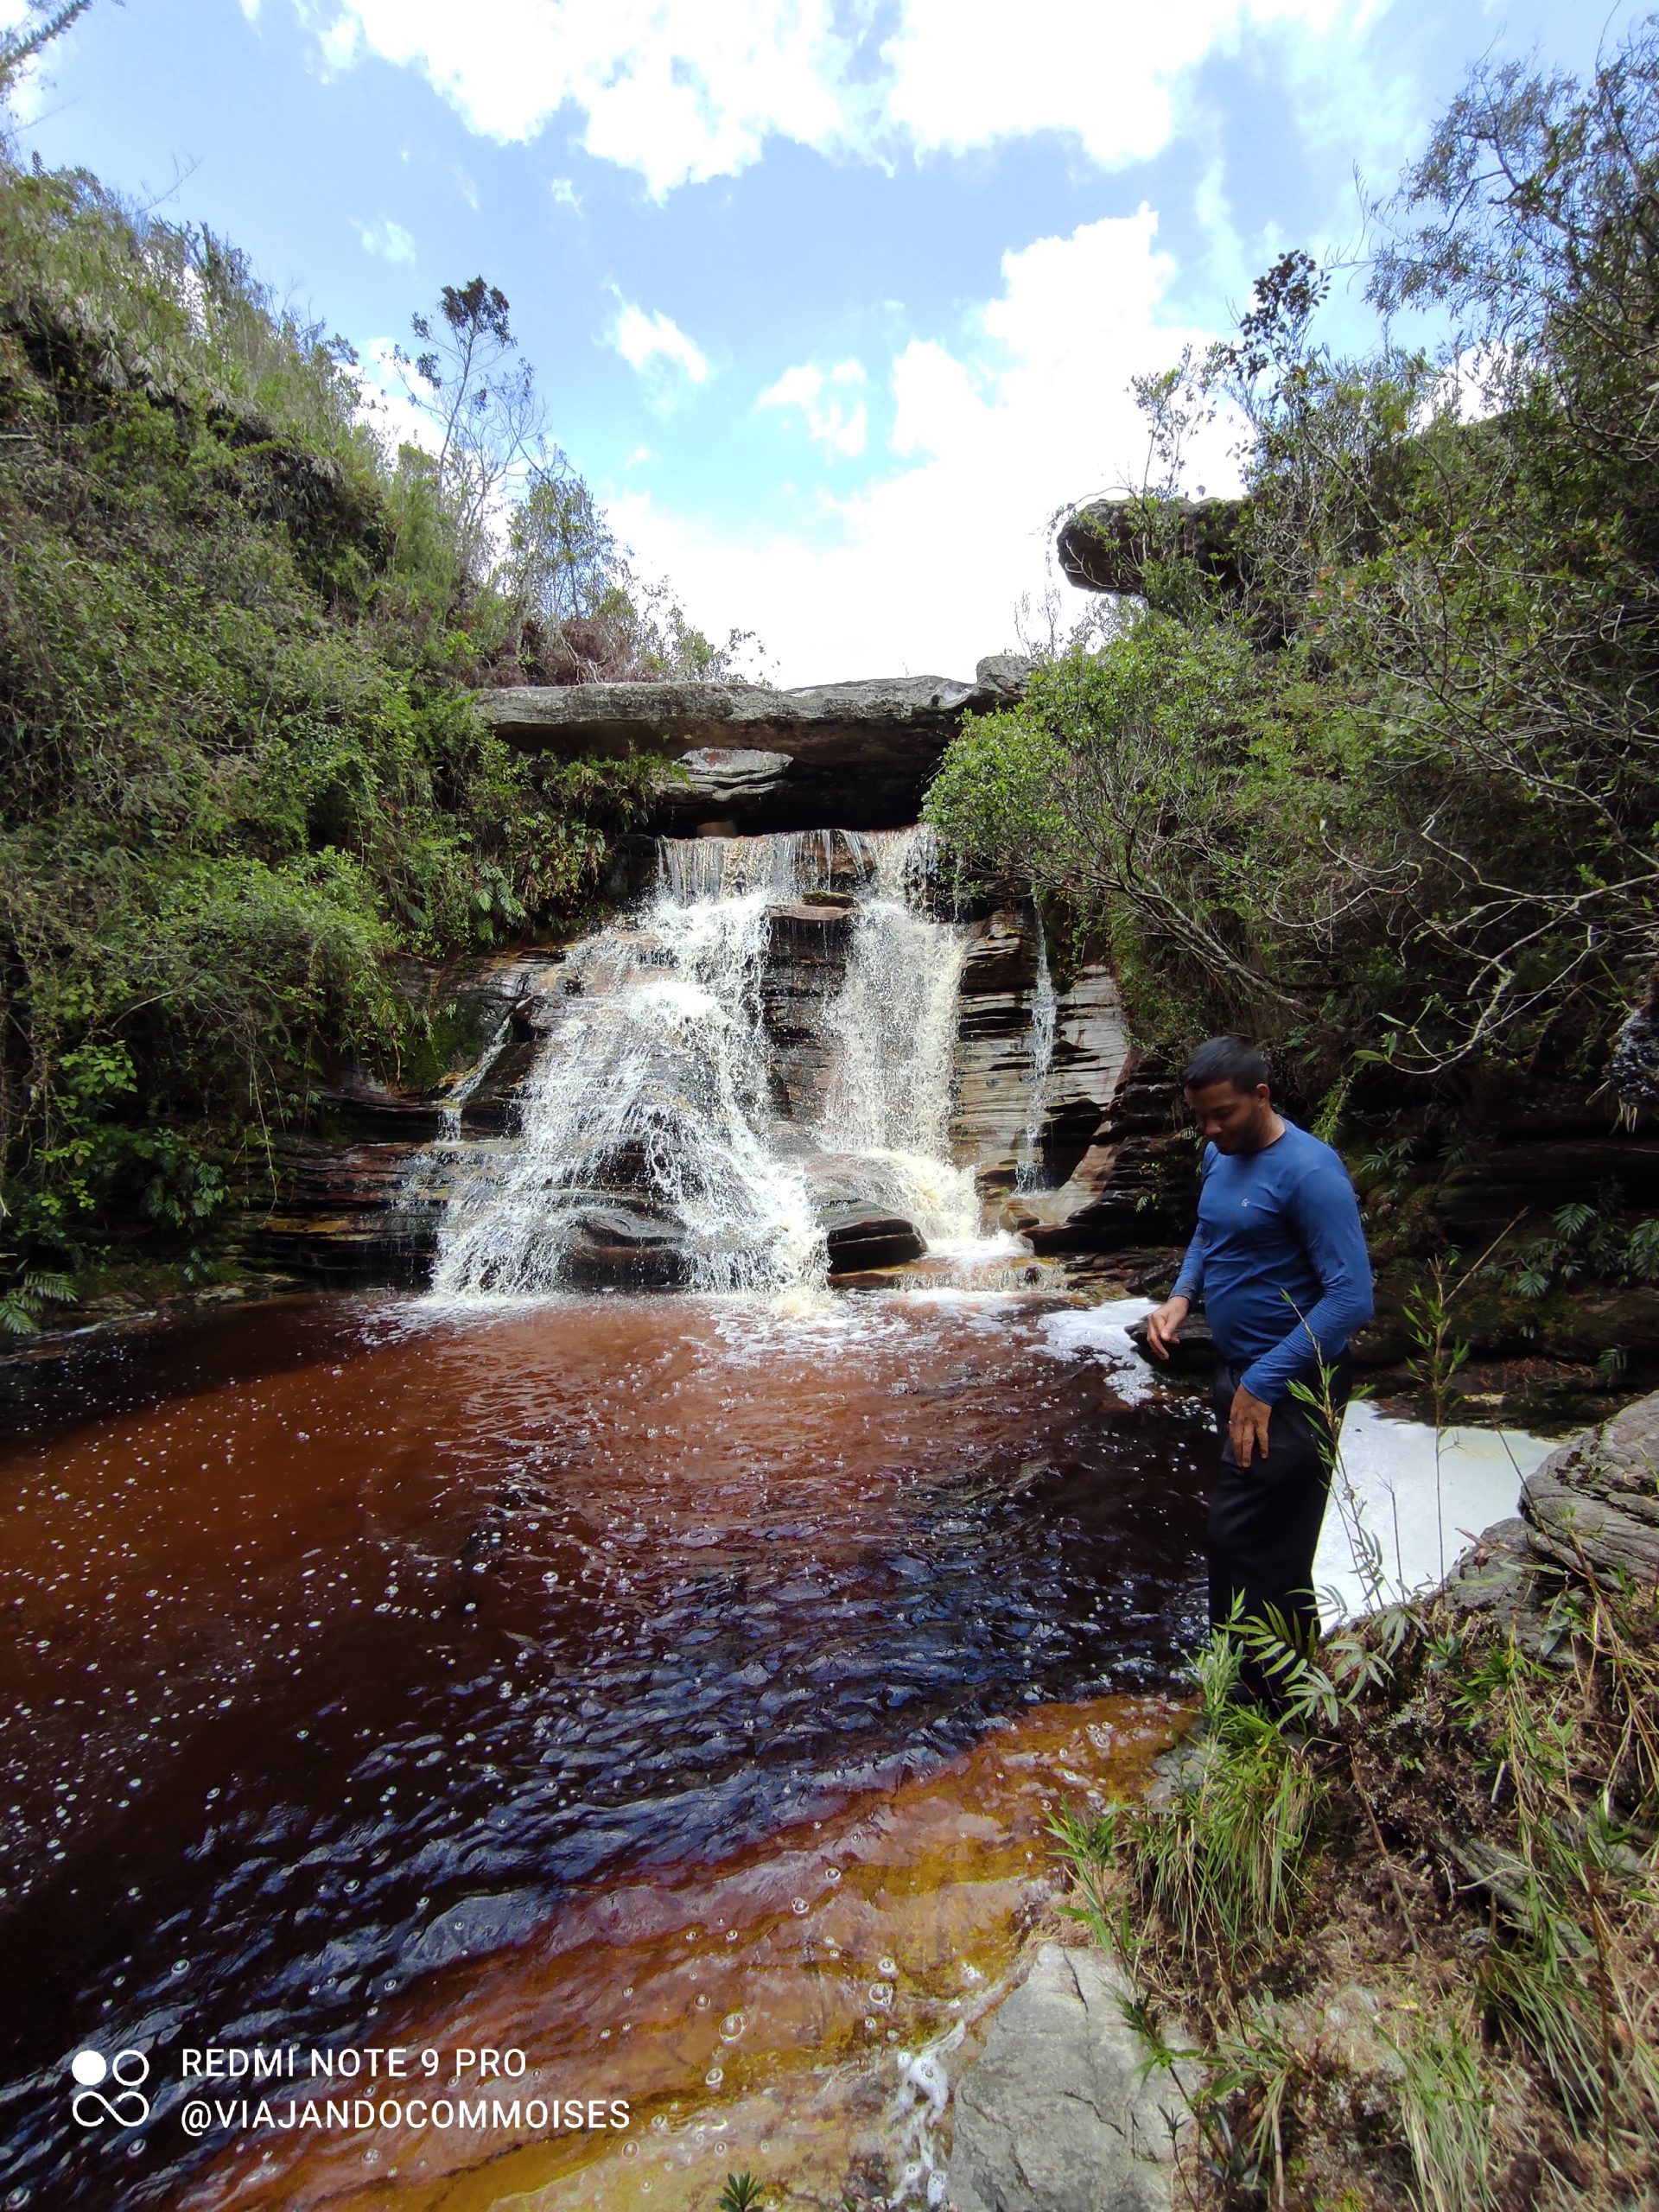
(1247, 1426)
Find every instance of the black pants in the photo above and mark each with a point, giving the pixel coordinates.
(1265, 1518)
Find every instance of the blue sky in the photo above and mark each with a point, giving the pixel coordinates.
(834, 302)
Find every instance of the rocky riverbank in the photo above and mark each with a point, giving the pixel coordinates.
(1450, 2000)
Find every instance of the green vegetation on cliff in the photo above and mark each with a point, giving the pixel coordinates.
(1384, 780)
(238, 764)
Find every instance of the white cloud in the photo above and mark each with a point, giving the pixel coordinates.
(835, 421)
(565, 194)
(387, 240)
(680, 90)
(965, 73)
(642, 340)
(922, 570)
(685, 90)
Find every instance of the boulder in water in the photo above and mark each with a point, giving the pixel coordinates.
(860, 1235)
(625, 1248)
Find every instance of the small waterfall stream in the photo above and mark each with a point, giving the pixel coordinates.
(762, 1049)
(1044, 1006)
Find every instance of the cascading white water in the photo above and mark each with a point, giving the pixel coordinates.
(650, 1122)
(888, 1104)
(1028, 1172)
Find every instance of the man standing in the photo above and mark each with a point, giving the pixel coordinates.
(1279, 1260)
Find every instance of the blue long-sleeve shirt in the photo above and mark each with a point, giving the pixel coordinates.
(1279, 1260)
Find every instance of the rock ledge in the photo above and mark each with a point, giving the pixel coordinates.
(858, 755)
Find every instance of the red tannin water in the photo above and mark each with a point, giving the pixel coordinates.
(353, 1643)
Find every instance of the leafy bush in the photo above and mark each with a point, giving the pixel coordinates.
(240, 766)
(1381, 782)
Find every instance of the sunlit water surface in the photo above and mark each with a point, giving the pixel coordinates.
(369, 1660)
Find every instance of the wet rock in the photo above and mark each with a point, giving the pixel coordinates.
(860, 1235)
(816, 919)
(1058, 2113)
(1193, 1357)
(859, 754)
(1596, 1500)
(625, 1248)
(362, 1105)
(994, 1065)
(806, 959)
(1136, 1181)
(1000, 956)
(491, 1106)
(342, 1214)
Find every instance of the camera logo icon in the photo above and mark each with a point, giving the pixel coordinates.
(125, 2105)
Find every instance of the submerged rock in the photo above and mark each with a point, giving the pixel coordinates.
(1059, 2112)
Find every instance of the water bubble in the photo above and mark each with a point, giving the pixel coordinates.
(630, 2150)
(732, 2027)
(798, 1904)
(714, 2076)
(703, 2000)
(871, 2022)
(888, 1968)
(832, 1873)
(881, 1992)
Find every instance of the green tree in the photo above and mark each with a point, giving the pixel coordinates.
(1387, 775)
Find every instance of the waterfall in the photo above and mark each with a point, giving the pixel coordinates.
(894, 1023)
(1028, 1173)
(658, 1143)
(450, 1111)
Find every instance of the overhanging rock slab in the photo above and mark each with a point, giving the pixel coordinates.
(856, 756)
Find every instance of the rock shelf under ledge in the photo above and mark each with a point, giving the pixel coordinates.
(859, 755)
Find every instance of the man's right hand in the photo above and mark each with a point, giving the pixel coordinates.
(1164, 1327)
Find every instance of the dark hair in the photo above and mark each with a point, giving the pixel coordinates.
(1225, 1059)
